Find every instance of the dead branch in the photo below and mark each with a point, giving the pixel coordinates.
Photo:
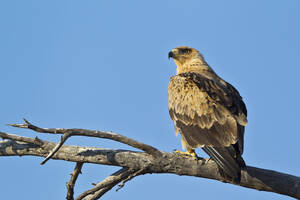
(71, 184)
(137, 163)
(106, 185)
(84, 132)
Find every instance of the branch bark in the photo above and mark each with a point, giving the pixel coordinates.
(105, 185)
(71, 184)
(136, 163)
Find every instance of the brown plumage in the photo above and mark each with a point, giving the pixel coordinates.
(207, 111)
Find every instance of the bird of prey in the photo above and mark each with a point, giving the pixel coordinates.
(207, 111)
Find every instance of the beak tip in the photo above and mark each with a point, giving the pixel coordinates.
(170, 55)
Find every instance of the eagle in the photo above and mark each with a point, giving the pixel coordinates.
(208, 112)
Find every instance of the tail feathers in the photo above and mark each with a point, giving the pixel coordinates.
(229, 164)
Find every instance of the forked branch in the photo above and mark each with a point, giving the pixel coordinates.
(84, 132)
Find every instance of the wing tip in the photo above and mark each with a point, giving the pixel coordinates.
(229, 167)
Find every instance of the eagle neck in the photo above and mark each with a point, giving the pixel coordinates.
(193, 67)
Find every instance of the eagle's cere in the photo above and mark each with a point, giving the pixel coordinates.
(207, 111)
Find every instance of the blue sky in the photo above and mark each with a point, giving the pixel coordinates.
(103, 65)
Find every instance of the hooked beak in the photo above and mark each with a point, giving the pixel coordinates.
(170, 55)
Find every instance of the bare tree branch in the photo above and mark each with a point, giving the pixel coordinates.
(99, 193)
(141, 162)
(131, 176)
(105, 185)
(84, 132)
(20, 138)
(70, 185)
(63, 139)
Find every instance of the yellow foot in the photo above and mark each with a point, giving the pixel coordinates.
(191, 153)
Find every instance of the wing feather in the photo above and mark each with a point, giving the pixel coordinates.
(205, 112)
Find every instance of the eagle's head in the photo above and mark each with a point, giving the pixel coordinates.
(186, 58)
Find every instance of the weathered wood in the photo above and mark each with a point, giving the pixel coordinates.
(71, 184)
(255, 178)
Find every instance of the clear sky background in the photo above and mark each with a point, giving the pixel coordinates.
(103, 65)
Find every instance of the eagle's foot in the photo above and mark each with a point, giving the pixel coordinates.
(188, 153)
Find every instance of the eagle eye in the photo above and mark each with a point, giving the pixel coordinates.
(185, 51)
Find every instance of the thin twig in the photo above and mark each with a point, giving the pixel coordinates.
(70, 185)
(63, 139)
(105, 185)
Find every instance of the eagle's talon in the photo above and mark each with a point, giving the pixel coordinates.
(188, 153)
